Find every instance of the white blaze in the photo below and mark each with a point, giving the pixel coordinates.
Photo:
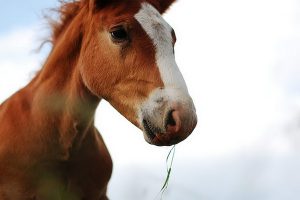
(175, 92)
(160, 33)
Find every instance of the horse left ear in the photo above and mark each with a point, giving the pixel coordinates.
(162, 5)
(98, 4)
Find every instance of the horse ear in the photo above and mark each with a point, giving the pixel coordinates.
(162, 5)
(98, 4)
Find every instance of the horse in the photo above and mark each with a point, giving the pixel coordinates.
(118, 51)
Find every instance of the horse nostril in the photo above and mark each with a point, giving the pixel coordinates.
(170, 119)
(173, 122)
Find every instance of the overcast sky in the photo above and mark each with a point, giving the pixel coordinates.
(241, 62)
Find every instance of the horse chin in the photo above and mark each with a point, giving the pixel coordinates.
(160, 138)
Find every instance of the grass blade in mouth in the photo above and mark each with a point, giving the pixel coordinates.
(169, 162)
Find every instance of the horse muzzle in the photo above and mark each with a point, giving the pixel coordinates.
(167, 117)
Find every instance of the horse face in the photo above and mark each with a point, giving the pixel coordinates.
(130, 62)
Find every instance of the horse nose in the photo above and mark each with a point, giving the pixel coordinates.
(169, 122)
(173, 122)
(180, 121)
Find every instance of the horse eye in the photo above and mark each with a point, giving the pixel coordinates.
(119, 34)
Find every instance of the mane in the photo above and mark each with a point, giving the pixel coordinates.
(66, 12)
(59, 19)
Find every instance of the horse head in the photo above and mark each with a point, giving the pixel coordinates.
(127, 58)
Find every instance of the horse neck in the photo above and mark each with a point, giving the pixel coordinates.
(60, 94)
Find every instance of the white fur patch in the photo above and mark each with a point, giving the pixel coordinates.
(160, 33)
(175, 92)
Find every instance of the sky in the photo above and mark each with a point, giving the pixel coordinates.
(241, 62)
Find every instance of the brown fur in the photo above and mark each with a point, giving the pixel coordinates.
(49, 147)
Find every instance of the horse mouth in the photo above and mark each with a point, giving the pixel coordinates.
(150, 130)
(155, 135)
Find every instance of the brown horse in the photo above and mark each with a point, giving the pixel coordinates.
(120, 51)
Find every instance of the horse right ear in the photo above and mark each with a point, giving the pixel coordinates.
(161, 5)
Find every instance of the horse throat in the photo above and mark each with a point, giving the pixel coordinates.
(60, 94)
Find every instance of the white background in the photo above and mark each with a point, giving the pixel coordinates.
(241, 62)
